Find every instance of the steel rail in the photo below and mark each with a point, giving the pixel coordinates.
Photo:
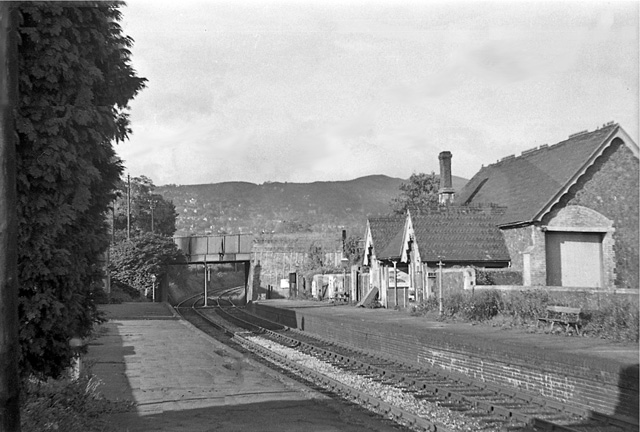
(327, 382)
(336, 386)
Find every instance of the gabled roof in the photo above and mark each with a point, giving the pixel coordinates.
(386, 234)
(459, 235)
(530, 184)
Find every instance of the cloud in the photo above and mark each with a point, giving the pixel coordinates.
(306, 91)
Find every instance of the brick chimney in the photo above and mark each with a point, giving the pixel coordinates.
(446, 192)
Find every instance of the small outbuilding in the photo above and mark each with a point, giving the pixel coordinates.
(453, 240)
(403, 254)
(382, 251)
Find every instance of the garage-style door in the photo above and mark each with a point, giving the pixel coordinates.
(574, 259)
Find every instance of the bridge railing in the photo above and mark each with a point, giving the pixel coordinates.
(228, 248)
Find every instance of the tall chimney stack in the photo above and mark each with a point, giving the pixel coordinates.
(446, 192)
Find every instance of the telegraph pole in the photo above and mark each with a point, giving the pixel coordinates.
(9, 381)
(128, 207)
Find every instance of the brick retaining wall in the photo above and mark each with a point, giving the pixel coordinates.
(582, 382)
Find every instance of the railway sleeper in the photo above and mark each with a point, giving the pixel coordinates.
(615, 420)
(453, 406)
(461, 390)
(475, 394)
(549, 425)
(429, 398)
(494, 421)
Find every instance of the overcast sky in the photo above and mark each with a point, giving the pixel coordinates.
(304, 91)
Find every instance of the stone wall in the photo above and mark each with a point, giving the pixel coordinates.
(278, 255)
(527, 244)
(611, 188)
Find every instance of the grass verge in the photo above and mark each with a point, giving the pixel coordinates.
(606, 316)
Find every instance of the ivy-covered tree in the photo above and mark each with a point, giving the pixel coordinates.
(417, 195)
(353, 249)
(134, 262)
(150, 212)
(75, 81)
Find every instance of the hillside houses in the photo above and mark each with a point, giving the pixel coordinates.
(561, 215)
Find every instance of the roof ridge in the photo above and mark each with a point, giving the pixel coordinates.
(571, 138)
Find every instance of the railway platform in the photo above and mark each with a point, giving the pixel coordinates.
(592, 374)
(183, 380)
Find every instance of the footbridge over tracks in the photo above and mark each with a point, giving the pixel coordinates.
(216, 249)
(219, 249)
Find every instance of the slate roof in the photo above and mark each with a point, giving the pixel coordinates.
(527, 184)
(386, 233)
(459, 236)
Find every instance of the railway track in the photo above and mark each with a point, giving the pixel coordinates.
(228, 333)
(411, 395)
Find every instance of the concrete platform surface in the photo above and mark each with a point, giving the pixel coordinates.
(183, 380)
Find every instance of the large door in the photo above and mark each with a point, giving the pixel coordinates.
(574, 259)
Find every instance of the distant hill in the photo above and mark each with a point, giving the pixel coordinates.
(241, 207)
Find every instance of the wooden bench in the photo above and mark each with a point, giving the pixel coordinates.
(341, 298)
(563, 315)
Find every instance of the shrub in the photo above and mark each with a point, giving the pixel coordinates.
(66, 405)
(453, 304)
(135, 261)
(616, 318)
(524, 305)
(482, 306)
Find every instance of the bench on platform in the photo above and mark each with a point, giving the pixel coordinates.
(341, 298)
(563, 315)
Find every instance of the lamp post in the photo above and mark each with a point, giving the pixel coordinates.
(153, 288)
(207, 277)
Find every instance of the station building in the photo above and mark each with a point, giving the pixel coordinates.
(562, 215)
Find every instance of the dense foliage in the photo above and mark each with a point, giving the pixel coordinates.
(353, 249)
(417, 195)
(134, 262)
(149, 212)
(75, 81)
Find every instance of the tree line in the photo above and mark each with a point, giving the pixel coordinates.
(143, 224)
